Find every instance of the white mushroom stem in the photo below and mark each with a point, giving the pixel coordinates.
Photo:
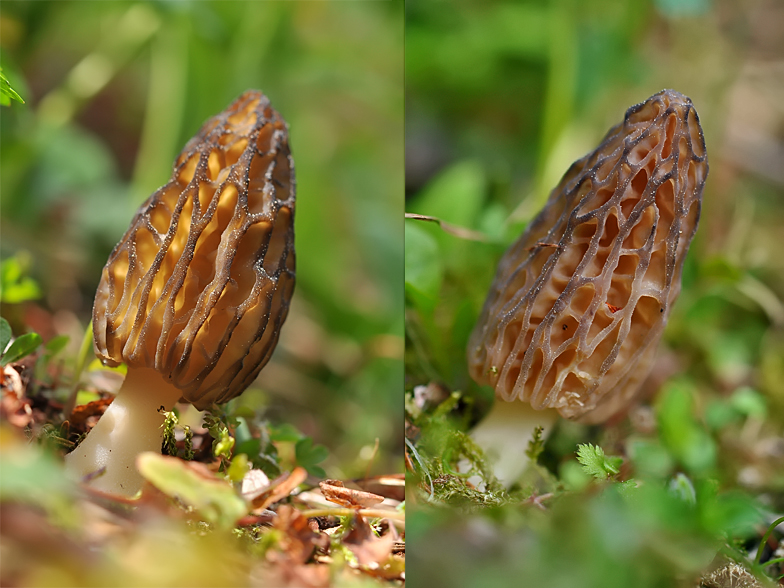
(504, 435)
(130, 426)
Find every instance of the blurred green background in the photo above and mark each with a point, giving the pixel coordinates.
(113, 91)
(501, 97)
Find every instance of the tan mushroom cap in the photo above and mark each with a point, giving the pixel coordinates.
(200, 284)
(579, 302)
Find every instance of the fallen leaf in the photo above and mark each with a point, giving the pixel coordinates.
(370, 549)
(16, 410)
(300, 541)
(11, 380)
(195, 485)
(83, 412)
(336, 492)
(277, 490)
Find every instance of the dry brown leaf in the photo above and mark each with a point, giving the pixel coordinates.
(300, 540)
(277, 490)
(371, 550)
(83, 412)
(336, 492)
(10, 380)
(16, 410)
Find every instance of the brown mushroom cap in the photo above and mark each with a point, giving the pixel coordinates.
(579, 302)
(200, 284)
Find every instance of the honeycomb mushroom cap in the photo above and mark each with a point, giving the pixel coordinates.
(579, 302)
(200, 284)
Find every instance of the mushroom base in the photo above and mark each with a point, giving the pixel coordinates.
(130, 426)
(504, 435)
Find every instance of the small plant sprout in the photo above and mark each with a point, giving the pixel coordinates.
(596, 463)
(578, 304)
(193, 297)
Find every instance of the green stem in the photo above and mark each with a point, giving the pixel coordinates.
(765, 537)
(81, 362)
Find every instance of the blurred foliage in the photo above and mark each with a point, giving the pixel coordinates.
(501, 97)
(113, 92)
(183, 530)
(15, 285)
(229, 478)
(7, 93)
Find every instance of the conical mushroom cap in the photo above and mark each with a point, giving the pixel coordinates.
(200, 284)
(579, 302)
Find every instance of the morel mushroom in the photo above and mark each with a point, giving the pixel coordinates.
(193, 297)
(579, 302)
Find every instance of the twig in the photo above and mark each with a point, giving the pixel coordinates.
(460, 232)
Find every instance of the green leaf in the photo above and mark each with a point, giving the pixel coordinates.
(5, 335)
(213, 498)
(682, 487)
(250, 447)
(749, 402)
(424, 270)
(680, 431)
(85, 396)
(308, 455)
(57, 344)
(596, 463)
(650, 459)
(15, 286)
(455, 196)
(262, 458)
(627, 488)
(719, 414)
(285, 433)
(238, 468)
(731, 512)
(7, 92)
(21, 347)
(573, 475)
